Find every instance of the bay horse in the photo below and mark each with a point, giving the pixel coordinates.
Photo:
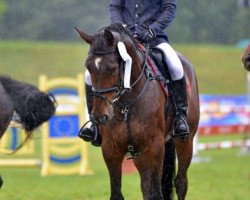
(246, 58)
(32, 106)
(133, 121)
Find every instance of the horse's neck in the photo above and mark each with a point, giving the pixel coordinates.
(138, 78)
(137, 64)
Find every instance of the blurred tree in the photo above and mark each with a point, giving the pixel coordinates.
(2, 7)
(196, 21)
(51, 19)
(210, 22)
(244, 3)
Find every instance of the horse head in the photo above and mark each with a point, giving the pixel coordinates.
(106, 67)
(246, 58)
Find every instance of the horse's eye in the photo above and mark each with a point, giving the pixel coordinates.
(112, 70)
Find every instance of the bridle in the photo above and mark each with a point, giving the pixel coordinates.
(119, 87)
(120, 90)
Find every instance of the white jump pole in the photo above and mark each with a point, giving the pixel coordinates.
(196, 158)
(195, 145)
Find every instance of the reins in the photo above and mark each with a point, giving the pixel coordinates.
(126, 108)
(126, 111)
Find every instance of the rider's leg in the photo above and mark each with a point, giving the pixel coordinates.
(178, 90)
(90, 134)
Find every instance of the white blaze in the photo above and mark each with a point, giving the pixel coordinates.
(97, 61)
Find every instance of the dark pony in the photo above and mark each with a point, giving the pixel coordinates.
(246, 58)
(133, 120)
(32, 107)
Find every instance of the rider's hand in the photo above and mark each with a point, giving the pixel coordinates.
(146, 36)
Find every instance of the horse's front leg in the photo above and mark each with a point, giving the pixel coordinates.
(184, 150)
(113, 161)
(150, 166)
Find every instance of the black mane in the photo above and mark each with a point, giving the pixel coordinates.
(119, 28)
(124, 35)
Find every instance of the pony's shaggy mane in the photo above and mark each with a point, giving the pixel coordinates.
(99, 42)
(33, 106)
(124, 32)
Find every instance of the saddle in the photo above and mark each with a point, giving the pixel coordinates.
(158, 64)
(159, 67)
(158, 57)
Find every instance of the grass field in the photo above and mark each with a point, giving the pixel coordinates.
(219, 71)
(225, 177)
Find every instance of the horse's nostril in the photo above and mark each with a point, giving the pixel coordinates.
(103, 119)
(247, 58)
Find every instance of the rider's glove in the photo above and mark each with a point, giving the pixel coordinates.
(146, 36)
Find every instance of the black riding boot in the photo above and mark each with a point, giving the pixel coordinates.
(178, 91)
(90, 134)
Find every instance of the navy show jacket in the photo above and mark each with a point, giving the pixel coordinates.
(140, 15)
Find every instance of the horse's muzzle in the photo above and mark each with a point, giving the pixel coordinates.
(247, 62)
(102, 119)
(102, 111)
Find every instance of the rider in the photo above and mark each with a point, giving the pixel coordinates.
(147, 20)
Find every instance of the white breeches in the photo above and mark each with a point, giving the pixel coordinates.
(173, 61)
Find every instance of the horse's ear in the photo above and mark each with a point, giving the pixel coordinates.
(109, 38)
(87, 38)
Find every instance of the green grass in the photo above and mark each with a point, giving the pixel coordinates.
(218, 68)
(226, 176)
(27, 184)
(218, 138)
(28, 60)
(219, 71)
